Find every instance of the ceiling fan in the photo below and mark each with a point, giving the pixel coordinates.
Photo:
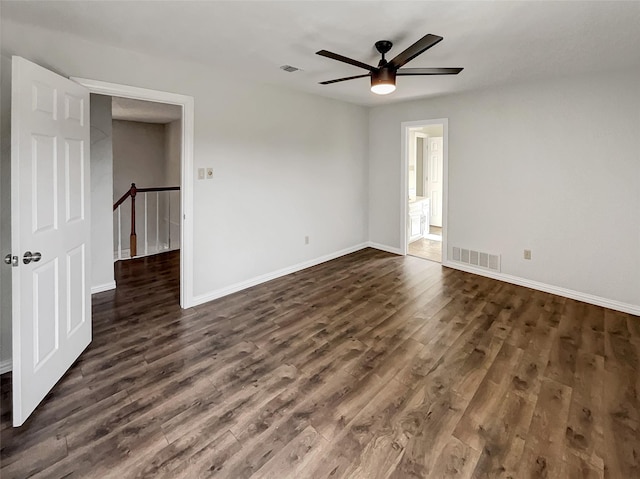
(383, 77)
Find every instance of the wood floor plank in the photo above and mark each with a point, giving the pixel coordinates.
(36, 458)
(578, 468)
(501, 438)
(457, 460)
(191, 457)
(493, 416)
(430, 424)
(358, 436)
(545, 445)
(295, 456)
(564, 352)
(585, 425)
(372, 365)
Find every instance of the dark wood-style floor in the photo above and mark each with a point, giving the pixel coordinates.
(368, 366)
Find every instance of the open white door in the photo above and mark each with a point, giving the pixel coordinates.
(50, 232)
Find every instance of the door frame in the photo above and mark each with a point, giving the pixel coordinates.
(405, 126)
(187, 180)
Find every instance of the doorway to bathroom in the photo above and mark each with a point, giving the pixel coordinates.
(424, 185)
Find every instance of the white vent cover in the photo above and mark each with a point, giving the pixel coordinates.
(476, 258)
(289, 68)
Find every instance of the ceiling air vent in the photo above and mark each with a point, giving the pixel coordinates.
(289, 68)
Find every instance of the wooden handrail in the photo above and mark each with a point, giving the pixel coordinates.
(133, 239)
(122, 199)
(160, 188)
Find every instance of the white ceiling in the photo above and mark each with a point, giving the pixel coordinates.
(144, 111)
(496, 42)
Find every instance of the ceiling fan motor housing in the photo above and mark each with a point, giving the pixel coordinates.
(383, 76)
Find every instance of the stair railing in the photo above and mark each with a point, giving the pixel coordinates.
(133, 238)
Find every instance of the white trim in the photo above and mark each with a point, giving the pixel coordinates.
(404, 187)
(384, 247)
(234, 288)
(103, 287)
(548, 288)
(125, 254)
(5, 366)
(187, 183)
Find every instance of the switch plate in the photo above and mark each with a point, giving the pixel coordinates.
(201, 173)
(209, 173)
(527, 254)
(306, 240)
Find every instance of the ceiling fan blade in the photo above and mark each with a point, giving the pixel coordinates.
(350, 61)
(414, 50)
(343, 79)
(428, 71)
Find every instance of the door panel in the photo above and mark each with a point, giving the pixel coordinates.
(51, 314)
(45, 167)
(74, 180)
(76, 294)
(45, 313)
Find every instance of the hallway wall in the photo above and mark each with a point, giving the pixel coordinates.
(101, 193)
(141, 155)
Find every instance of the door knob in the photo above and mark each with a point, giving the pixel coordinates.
(12, 260)
(29, 257)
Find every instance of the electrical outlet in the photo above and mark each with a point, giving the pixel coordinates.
(209, 173)
(306, 240)
(201, 173)
(527, 254)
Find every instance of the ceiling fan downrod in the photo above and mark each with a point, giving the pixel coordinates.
(383, 46)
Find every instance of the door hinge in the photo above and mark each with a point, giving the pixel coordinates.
(12, 260)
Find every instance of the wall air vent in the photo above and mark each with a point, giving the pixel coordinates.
(289, 68)
(476, 258)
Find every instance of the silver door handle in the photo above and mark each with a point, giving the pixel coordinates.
(12, 260)
(29, 257)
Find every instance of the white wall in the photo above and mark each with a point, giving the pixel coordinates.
(286, 164)
(139, 157)
(172, 151)
(102, 276)
(553, 167)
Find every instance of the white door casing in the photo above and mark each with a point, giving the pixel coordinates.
(50, 212)
(434, 180)
(187, 298)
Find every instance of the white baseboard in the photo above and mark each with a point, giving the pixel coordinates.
(382, 247)
(126, 253)
(103, 287)
(234, 288)
(5, 366)
(548, 288)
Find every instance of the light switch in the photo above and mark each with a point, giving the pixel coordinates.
(209, 173)
(201, 173)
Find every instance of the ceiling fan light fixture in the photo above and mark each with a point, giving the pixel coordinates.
(383, 81)
(383, 77)
(383, 88)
